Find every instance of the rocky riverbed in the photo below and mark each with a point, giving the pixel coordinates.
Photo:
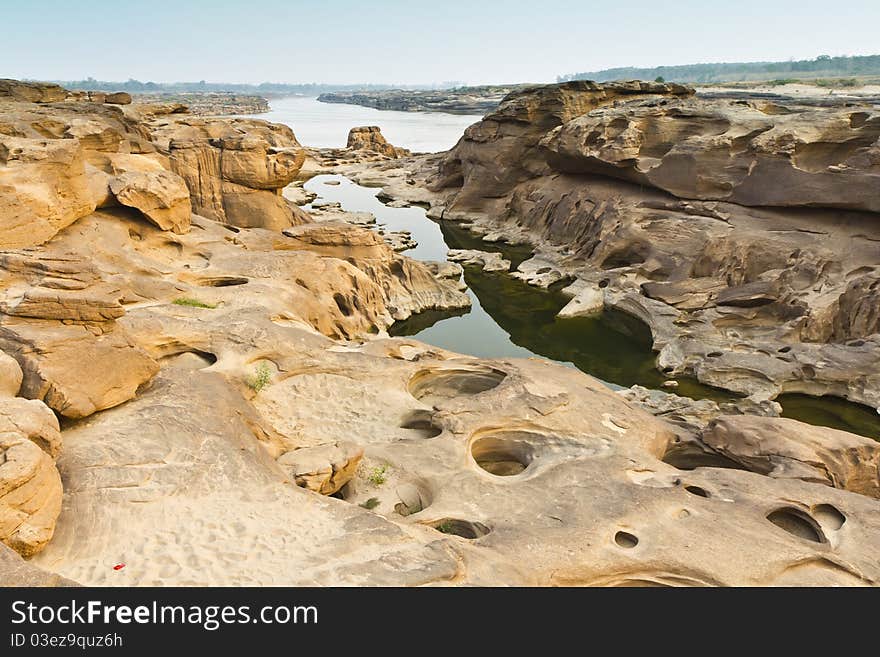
(464, 100)
(196, 379)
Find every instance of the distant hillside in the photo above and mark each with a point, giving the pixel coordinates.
(136, 86)
(821, 67)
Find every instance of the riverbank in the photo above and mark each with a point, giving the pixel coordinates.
(463, 100)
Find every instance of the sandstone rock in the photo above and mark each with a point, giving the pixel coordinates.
(73, 370)
(32, 419)
(53, 164)
(30, 494)
(370, 138)
(858, 310)
(757, 293)
(118, 98)
(486, 260)
(43, 188)
(323, 469)
(32, 92)
(10, 376)
(538, 271)
(586, 300)
(730, 150)
(497, 152)
(234, 169)
(16, 572)
(91, 305)
(784, 448)
(161, 196)
(734, 230)
(465, 461)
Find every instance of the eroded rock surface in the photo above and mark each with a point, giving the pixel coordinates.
(785, 448)
(218, 384)
(370, 138)
(235, 169)
(744, 233)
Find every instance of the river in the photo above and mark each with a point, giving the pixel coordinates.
(509, 318)
(326, 125)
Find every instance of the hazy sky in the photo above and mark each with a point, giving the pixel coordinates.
(391, 41)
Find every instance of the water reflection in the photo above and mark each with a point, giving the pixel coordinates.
(510, 318)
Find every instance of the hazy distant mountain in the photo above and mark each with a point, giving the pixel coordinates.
(136, 86)
(823, 66)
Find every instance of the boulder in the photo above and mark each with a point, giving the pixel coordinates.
(73, 370)
(161, 196)
(235, 169)
(118, 98)
(486, 260)
(43, 188)
(323, 469)
(32, 419)
(10, 376)
(369, 138)
(30, 494)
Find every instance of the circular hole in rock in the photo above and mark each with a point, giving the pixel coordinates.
(784, 350)
(797, 523)
(696, 490)
(626, 540)
(463, 528)
(414, 497)
(421, 424)
(502, 455)
(829, 516)
(437, 384)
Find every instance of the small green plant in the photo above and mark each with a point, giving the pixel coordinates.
(261, 378)
(193, 303)
(370, 504)
(660, 79)
(445, 527)
(378, 475)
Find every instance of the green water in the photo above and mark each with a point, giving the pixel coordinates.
(831, 412)
(509, 318)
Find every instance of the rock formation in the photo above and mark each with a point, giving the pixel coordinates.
(30, 486)
(160, 195)
(217, 385)
(465, 100)
(743, 232)
(369, 138)
(234, 169)
(785, 448)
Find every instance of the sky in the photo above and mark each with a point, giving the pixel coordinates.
(398, 42)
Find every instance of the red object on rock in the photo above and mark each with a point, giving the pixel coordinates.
(119, 566)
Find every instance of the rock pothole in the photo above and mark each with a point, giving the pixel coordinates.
(461, 528)
(503, 454)
(828, 516)
(797, 523)
(626, 540)
(696, 490)
(434, 385)
(421, 425)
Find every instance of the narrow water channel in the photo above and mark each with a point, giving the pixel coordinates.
(510, 318)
